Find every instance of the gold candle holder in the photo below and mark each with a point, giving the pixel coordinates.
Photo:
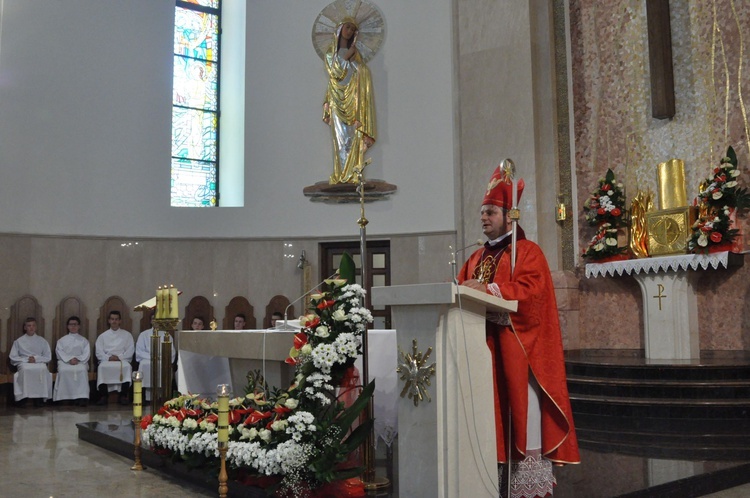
(137, 413)
(161, 365)
(222, 393)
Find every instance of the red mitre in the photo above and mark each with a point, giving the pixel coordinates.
(500, 190)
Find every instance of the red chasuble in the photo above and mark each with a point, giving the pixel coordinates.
(531, 340)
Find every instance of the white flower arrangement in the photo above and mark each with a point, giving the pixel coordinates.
(297, 435)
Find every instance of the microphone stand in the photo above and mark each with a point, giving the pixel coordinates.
(286, 325)
(477, 243)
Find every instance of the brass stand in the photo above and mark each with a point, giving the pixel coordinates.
(137, 444)
(370, 481)
(161, 362)
(222, 434)
(223, 472)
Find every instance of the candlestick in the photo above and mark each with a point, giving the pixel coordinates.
(222, 392)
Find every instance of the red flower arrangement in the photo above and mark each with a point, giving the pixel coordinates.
(719, 198)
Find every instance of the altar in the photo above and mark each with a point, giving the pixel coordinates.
(208, 358)
(670, 306)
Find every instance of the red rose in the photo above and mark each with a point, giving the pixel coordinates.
(616, 212)
(715, 237)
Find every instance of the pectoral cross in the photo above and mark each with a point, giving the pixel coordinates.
(659, 295)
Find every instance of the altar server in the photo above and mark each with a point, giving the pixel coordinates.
(73, 352)
(114, 351)
(30, 353)
(143, 354)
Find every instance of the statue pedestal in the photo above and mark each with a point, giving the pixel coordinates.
(670, 322)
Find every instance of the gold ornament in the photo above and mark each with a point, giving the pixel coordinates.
(415, 373)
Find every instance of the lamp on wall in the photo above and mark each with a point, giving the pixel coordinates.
(302, 260)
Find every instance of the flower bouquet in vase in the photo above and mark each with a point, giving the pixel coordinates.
(719, 200)
(605, 209)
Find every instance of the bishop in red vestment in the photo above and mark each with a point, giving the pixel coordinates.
(526, 346)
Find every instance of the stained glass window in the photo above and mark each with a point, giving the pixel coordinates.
(195, 103)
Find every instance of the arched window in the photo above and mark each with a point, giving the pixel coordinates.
(195, 103)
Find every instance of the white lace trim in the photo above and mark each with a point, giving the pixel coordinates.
(531, 477)
(659, 263)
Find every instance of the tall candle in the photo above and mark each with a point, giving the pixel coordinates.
(137, 394)
(165, 301)
(173, 307)
(159, 309)
(223, 427)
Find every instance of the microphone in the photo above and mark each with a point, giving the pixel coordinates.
(286, 310)
(476, 243)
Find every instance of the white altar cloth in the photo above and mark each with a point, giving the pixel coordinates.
(209, 358)
(659, 264)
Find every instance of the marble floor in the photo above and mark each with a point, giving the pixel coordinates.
(41, 455)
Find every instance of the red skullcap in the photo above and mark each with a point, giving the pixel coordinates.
(500, 191)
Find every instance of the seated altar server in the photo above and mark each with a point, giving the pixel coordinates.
(30, 353)
(143, 354)
(114, 351)
(73, 352)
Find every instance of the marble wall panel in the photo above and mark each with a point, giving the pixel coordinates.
(613, 128)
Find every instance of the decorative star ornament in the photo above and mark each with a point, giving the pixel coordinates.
(415, 373)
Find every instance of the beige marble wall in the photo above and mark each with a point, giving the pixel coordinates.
(613, 128)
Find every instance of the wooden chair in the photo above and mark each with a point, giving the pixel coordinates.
(277, 304)
(69, 306)
(239, 304)
(24, 307)
(145, 321)
(198, 306)
(112, 303)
